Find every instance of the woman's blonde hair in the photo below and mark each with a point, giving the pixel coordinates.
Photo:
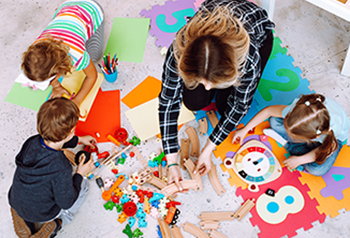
(212, 46)
(308, 120)
(46, 58)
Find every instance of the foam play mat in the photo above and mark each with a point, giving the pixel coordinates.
(285, 201)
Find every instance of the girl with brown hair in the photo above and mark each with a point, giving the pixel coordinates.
(315, 127)
(220, 53)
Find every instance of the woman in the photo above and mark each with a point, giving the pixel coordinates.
(221, 52)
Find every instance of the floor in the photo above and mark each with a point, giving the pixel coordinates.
(316, 39)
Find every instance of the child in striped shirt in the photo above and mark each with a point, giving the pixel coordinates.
(72, 40)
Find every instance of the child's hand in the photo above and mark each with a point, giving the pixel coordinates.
(58, 91)
(88, 140)
(238, 136)
(292, 162)
(83, 169)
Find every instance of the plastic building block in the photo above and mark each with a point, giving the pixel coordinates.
(124, 199)
(131, 221)
(156, 196)
(130, 209)
(132, 154)
(122, 217)
(155, 204)
(135, 141)
(154, 212)
(142, 223)
(119, 207)
(115, 199)
(118, 192)
(109, 205)
(137, 233)
(127, 231)
(140, 214)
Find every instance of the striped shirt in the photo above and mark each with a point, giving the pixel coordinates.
(258, 26)
(74, 22)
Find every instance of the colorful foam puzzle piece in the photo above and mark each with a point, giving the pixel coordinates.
(275, 209)
(167, 19)
(330, 206)
(337, 180)
(280, 83)
(292, 222)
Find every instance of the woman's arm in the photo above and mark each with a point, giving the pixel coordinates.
(89, 81)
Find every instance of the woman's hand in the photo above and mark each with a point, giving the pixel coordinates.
(239, 135)
(82, 168)
(293, 162)
(88, 140)
(174, 172)
(204, 160)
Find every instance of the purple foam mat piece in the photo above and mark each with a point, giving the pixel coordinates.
(164, 39)
(336, 186)
(257, 137)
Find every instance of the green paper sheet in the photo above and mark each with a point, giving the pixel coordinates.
(128, 38)
(27, 97)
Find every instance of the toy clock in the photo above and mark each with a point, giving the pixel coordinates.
(255, 164)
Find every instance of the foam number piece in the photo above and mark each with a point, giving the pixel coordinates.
(165, 30)
(291, 85)
(180, 17)
(280, 82)
(274, 210)
(337, 180)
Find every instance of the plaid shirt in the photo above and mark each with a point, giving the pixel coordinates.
(257, 24)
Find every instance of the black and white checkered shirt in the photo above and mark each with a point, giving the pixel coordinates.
(257, 24)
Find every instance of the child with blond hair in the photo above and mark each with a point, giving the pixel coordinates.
(45, 193)
(72, 40)
(315, 128)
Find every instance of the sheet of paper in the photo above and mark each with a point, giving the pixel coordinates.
(145, 122)
(27, 97)
(128, 38)
(147, 90)
(104, 116)
(73, 83)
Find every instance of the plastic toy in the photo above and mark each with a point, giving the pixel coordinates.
(129, 208)
(127, 231)
(137, 233)
(131, 221)
(109, 205)
(121, 134)
(135, 141)
(106, 195)
(100, 183)
(122, 217)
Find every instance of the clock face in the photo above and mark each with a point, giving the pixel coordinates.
(255, 164)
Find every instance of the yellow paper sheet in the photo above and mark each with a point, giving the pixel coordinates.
(144, 118)
(73, 82)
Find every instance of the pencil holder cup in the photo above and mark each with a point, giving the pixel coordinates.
(111, 78)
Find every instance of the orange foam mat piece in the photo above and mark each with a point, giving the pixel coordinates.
(147, 90)
(329, 205)
(104, 116)
(227, 146)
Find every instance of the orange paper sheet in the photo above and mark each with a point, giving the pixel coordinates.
(147, 90)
